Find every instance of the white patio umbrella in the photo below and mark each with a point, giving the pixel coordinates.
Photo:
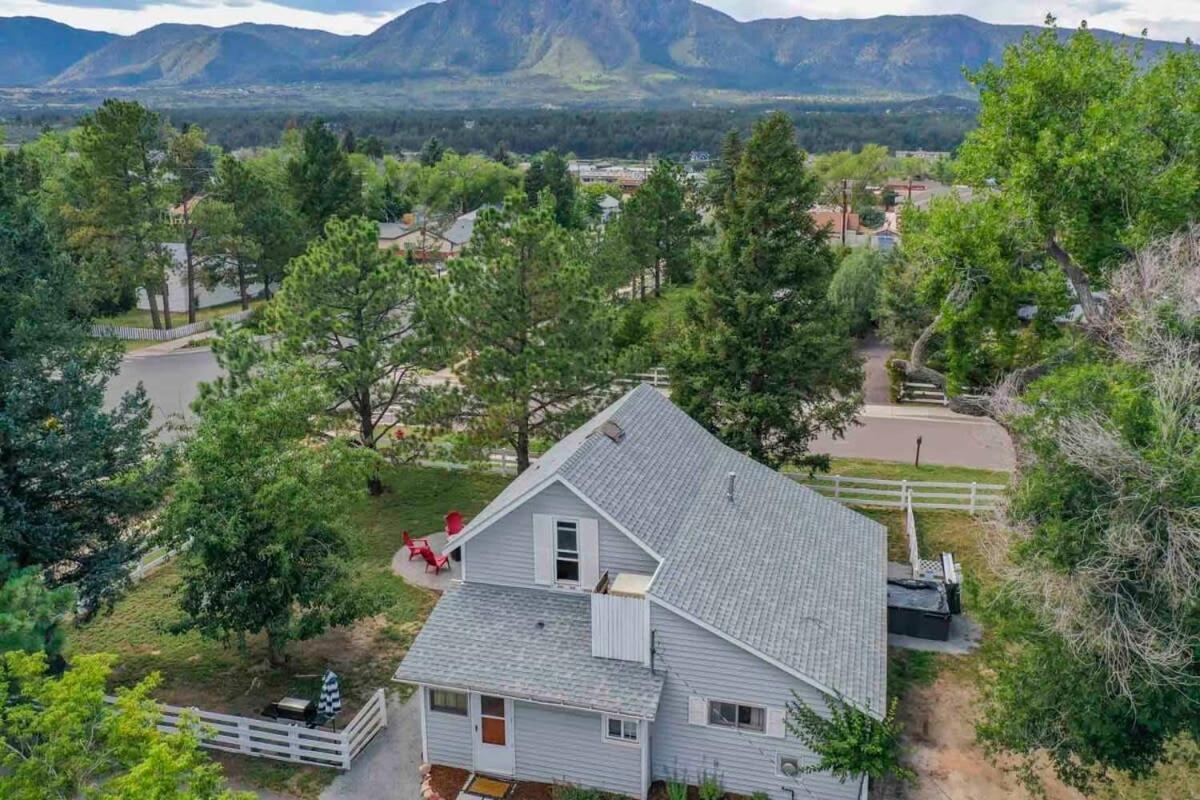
(331, 696)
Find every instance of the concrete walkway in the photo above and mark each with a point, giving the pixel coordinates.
(390, 766)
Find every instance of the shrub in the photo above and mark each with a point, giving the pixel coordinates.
(850, 743)
(710, 787)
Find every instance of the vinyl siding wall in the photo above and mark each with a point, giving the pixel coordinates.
(447, 737)
(699, 663)
(504, 552)
(565, 745)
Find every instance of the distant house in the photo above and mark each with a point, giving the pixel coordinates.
(609, 208)
(206, 297)
(416, 236)
(642, 604)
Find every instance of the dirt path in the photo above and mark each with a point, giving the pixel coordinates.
(940, 736)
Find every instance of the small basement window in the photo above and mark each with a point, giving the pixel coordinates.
(447, 702)
(617, 729)
(735, 715)
(566, 551)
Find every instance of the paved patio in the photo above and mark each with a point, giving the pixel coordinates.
(414, 571)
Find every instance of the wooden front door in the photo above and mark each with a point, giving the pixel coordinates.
(491, 718)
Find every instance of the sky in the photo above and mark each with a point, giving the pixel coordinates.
(1165, 19)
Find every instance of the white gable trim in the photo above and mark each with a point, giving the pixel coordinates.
(609, 517)
(759, 654)
(466, 536)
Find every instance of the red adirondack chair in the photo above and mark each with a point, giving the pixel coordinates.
(432, 559)
(454, 523)
(414, 545)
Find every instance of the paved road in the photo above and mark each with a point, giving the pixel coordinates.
(888, 433)
(172, 382)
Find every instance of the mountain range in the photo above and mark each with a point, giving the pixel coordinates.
(573, 49)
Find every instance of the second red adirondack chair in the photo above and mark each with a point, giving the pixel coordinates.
(454, 523)
(432, 559)
(414, 545)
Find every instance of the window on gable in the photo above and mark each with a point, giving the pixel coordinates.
(735, 715)
(620, 730)
(566, 551)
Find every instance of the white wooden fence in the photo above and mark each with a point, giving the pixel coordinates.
(166, 335)
(655, 376)
(931, 394)
(969, 497)
(296, 743)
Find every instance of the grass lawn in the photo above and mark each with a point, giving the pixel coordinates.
(139, 318)
(904, 470)
(206, 674)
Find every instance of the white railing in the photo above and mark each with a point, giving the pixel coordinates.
(910, 529)
(165, 335)
(155, 559)
(278, 740)
(970, 497)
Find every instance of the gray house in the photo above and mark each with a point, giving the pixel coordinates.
(641, 604)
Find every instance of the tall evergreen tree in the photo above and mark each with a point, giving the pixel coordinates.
(190, 164)
(765, 363)
(352, 309)
(533, 326)
(72, 475)
(432, 152)
(549, 170)
(321, 179)
(124, 195)
(662, 225)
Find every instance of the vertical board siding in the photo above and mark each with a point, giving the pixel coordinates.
(619, 628)
(504, 553)
(565, 745)
(448, 737)
(697, 663)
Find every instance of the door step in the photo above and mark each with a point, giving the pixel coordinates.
(481, 787)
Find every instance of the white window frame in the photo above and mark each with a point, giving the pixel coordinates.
(578, 553)
(625, 721)
(466, 712)
(736, 726)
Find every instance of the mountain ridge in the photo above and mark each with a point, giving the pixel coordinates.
(566, 49)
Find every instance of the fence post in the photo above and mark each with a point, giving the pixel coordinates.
(837, 486)
(382, 707)
(974, 486)
(904, 493)
(293, 743)
(243, 733)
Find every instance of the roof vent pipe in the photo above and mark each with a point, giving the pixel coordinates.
(732, 480)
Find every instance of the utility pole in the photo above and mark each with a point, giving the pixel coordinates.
(845, 200)
(910, 188)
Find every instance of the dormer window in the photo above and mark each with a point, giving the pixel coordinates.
(566, 551)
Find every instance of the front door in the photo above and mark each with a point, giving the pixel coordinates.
(492, 720)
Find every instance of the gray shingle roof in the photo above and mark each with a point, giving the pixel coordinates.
(789, 573)
(486, 638)
(794, 575)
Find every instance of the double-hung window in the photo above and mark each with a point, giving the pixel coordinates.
(621, 730)
(738, 716)
(566, 551)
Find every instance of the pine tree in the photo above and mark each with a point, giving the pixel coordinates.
(321, 179)
(765, 362)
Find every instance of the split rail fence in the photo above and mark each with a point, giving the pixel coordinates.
(280, 741)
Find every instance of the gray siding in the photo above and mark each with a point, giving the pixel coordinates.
(504, 552)
(699, 663)
(565, 745)
(447, 737)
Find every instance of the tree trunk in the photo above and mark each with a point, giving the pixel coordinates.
(1079, 281)
(243, 293)
(276, 644)
(657, 278)
(522, 445)
(166, 296)
(188, 237)
(366, 434)
(152, 301)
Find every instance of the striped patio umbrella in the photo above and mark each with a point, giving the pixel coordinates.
(331, 696)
